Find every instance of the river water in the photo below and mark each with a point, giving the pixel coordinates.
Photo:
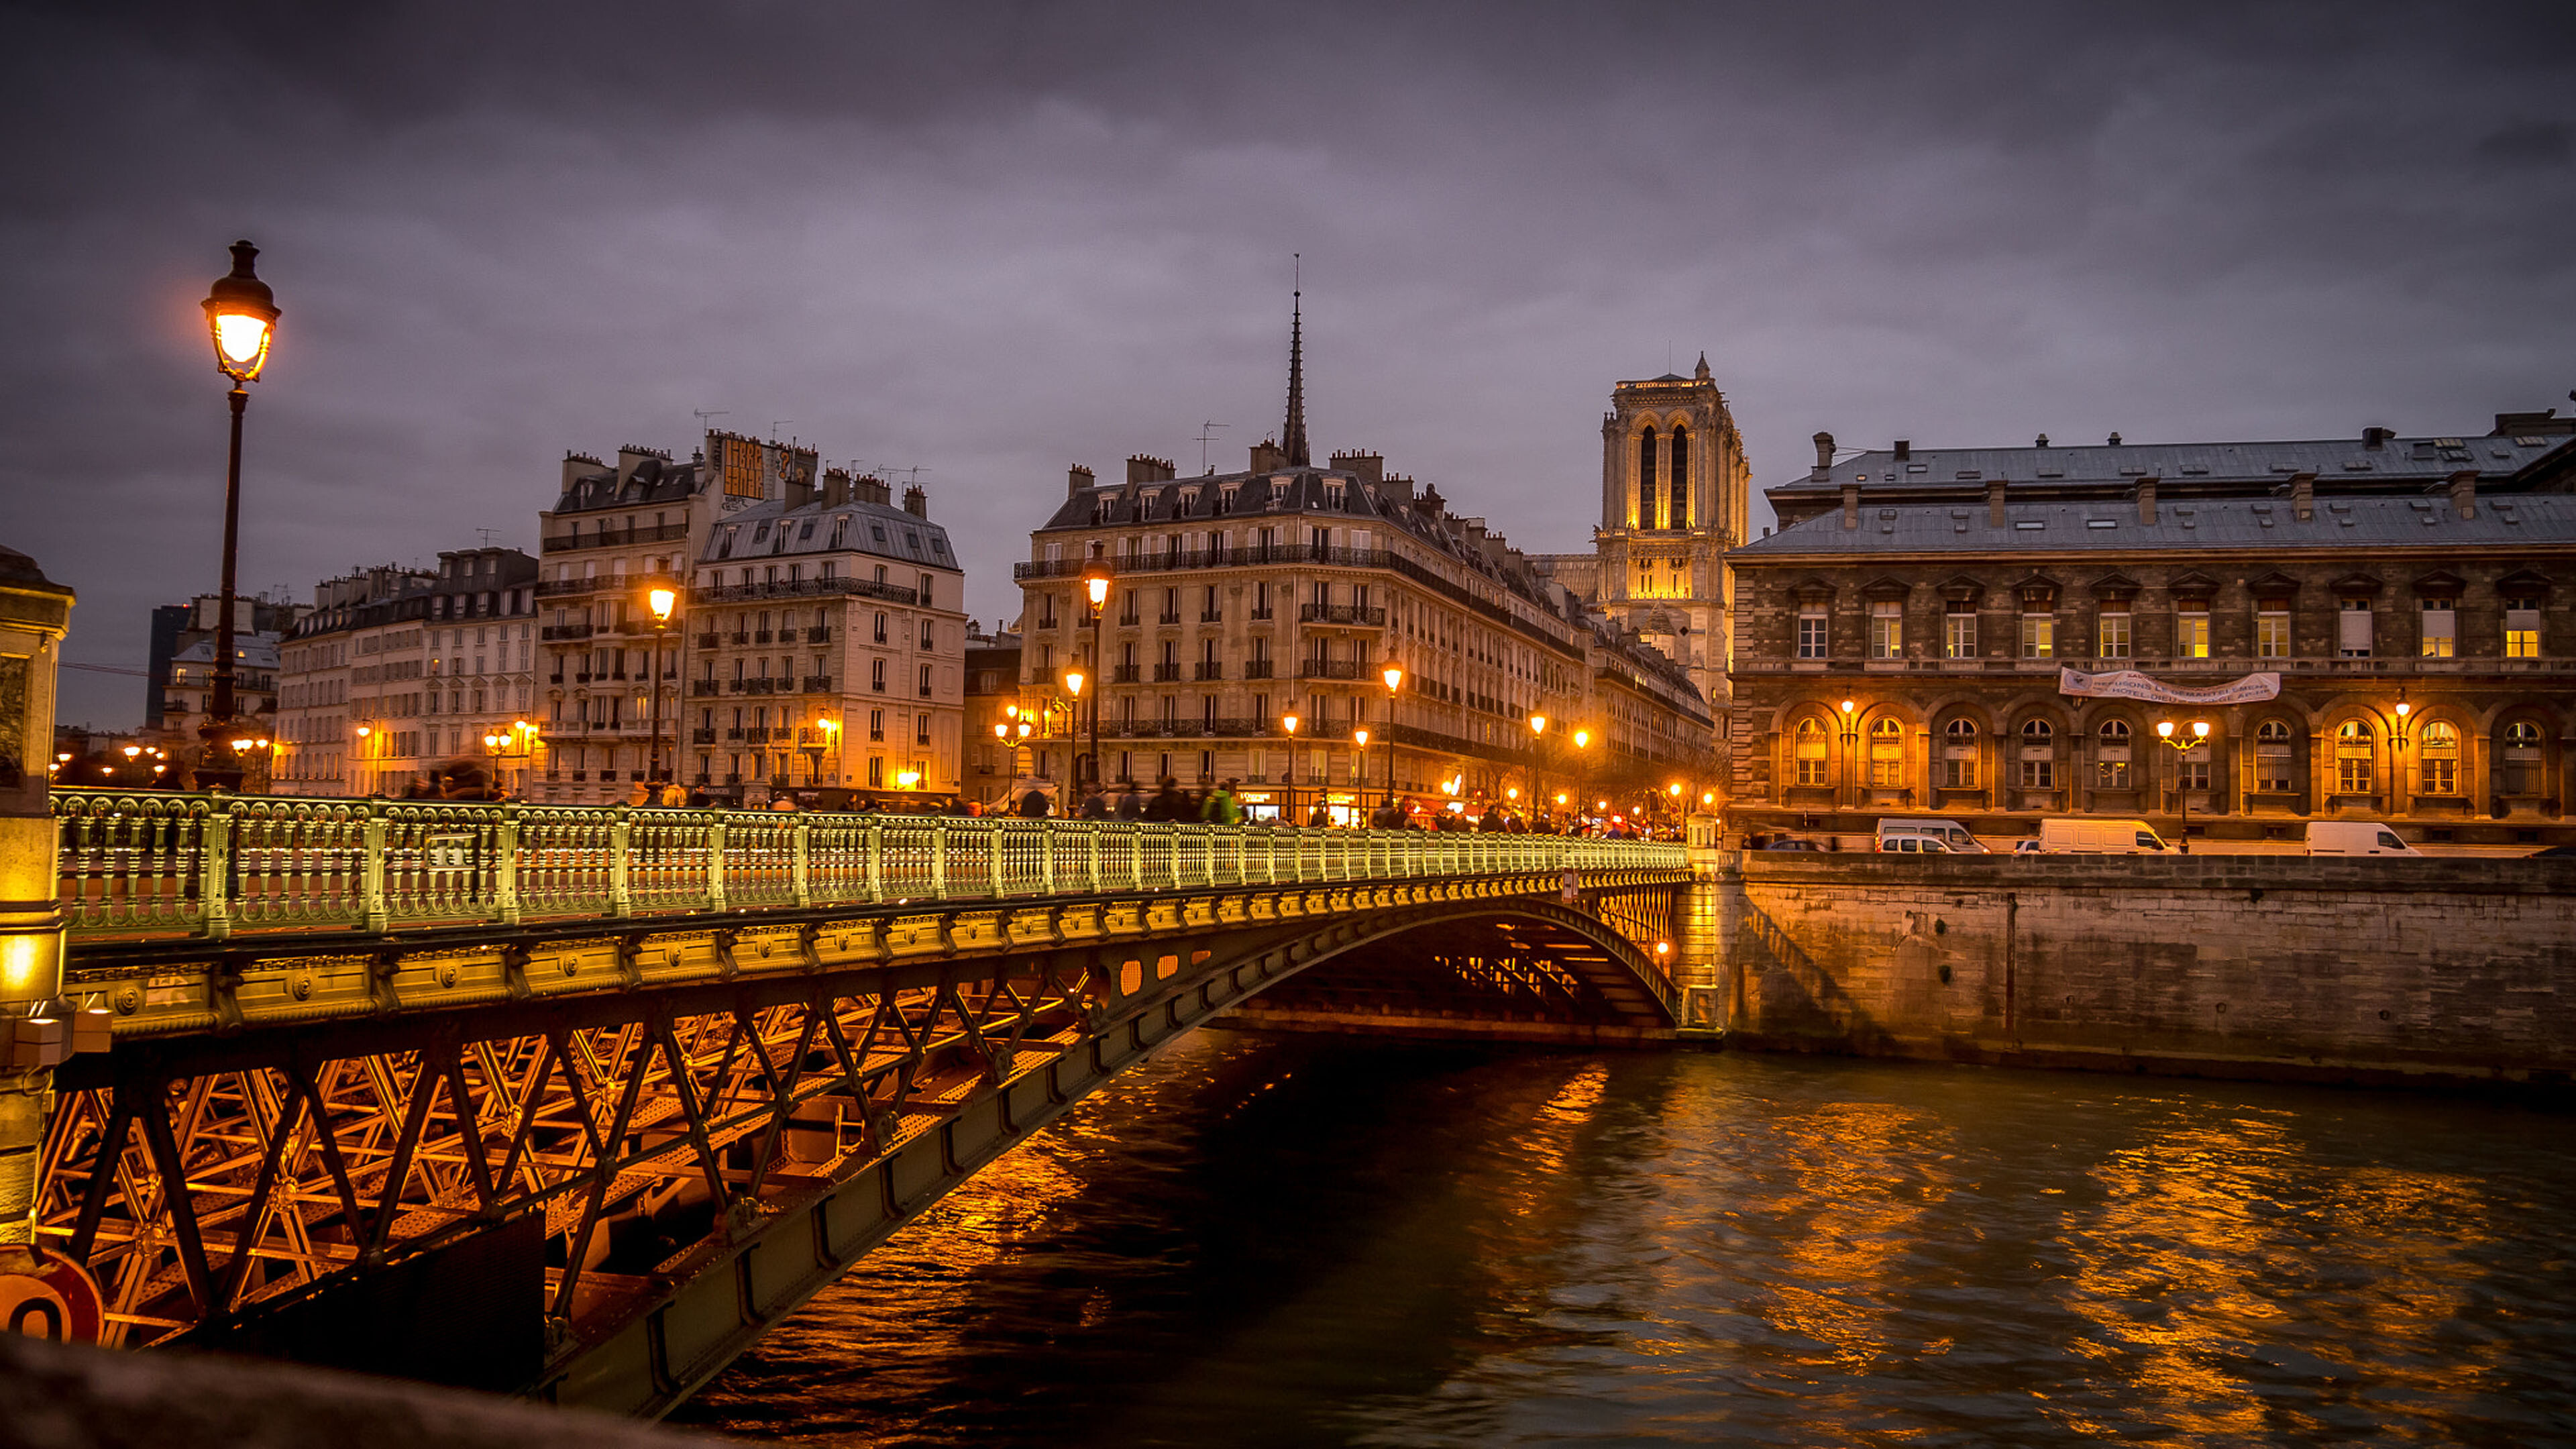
(1264, 1241)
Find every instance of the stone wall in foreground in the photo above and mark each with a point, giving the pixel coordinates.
(2238, 966)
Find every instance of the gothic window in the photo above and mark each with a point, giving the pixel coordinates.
(1810, 748)
(1886, 753)
(1959, 755)
(2353, 758)
(2272, 758)
(1681, 478)
(2038, 755)
(2439, 751)
(1646, 479)
(2111, 755)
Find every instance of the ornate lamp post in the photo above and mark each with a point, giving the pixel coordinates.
(1290, 722)
(2182, 795)
(1393, 674)
(1074, 680)
(1851, 749)
(1095, 586)
(518, 743)
(1538, 737)
(1359, 741)
(241, 315)
(825, 737)
(660, 600)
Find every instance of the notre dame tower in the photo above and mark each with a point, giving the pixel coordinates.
(1674, 498)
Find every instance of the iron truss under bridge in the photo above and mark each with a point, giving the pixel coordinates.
(577, 1102)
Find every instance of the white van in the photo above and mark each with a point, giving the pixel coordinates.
(2355, 837)
(2081, 835)
(1953, 837)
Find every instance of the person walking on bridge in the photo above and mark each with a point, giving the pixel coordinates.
(1220, 807)
(1131, 801)
(1169, 804)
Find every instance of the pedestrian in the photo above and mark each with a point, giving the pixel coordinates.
(1319, 818)
(1492, 821)
(1220, 807)
(1095, 805)
(1033, 805)
(1131, 801)
(1169, 804)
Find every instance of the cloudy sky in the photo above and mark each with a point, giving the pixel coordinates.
(988, 241)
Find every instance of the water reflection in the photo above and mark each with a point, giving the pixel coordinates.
(1292, 1242)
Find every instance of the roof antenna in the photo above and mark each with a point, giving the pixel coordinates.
(1207, 435)
(487, 535)
(775, 425)
(702, 414)
(912, 474)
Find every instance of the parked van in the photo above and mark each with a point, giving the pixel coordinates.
(2355, 837)
(1952, 835)
(2081, 835)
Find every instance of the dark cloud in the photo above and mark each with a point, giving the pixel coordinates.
(992, 240)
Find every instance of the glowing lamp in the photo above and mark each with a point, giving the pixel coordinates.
(1073, 681)
(1393, 674)
(1538, 724)
(1849, 706)
(1360, 737)
(1582, 738)
(2200, 728)
(1289, 721)
(1098, 587)
(241, 315)
(2164, 728)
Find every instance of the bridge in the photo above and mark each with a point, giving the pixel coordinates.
(575, 1103)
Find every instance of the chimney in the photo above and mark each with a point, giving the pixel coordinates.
(800, 491)
(1431, 505)
(2115, 440)
(916, 502)
(1904, 450)
(1142, 468)
(2303, 496)
(1851, 505)
(2464, 493)
(2147, 499)
(1994, 503)
(871, 489)
(2040, 442)
(1076, 479)
(2376, 437)
(1268, 456)
(1824, 456)
(1367, 467)
(1396, 488)
(576, 466)
(836, 487)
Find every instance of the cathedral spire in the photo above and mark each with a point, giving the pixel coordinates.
(1292, 438)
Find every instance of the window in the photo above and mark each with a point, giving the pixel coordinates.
(2441, 629)
(1886, 629)
(2111, 755)
(1811, 631)
(876, 675)
(1886, 753)
(921, 729)
(1959, 630)
(2352, 629)
(2439, 753)
(2272, 758)
(876, 724)
(2038, 635)
(925, 681)
(925, 634)
(1681, 479)
(1959, 755)
(1810, 751)
(2521, 627)
(2038, 755)
(881, 628)
(876, 772)
(2191, 632)
(2272, 632)
(2113, 640)
(2353, 754)
(2522, 758)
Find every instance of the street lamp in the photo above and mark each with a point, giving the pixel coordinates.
(1393, 674)
(1095, 586)
(660, 599)
(1538, 737)
(2182, 796)
(1359, 739)
(1074, 680)
(1289, 721)
(1851, 746)
(825, 736)
(241, 316)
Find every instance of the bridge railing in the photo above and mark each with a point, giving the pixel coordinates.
(157, 863)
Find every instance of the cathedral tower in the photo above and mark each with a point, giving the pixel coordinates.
(1675, 492)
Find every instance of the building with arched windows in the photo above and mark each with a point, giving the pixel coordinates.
(2395, 619)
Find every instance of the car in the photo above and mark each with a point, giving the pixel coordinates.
(2030, 846)
(2559, 852)
(2355, 837)
(1787, 842)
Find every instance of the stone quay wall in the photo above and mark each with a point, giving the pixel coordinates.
(2366, 971)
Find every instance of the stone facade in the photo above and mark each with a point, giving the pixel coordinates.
(1900, 642)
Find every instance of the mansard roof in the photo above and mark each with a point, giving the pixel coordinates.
(772, 529)
(2112, 527)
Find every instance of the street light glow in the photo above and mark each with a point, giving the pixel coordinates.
(1073, 681)
(241, 315)
(662, 602)
(1393, 674)
(1098, 584)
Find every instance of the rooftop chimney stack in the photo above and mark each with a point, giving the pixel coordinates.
(2040, 442)
(2464, 493)
(1142, 468)
(800, 491)
(1995, 502)
(2147, 499)
(2376, 437)
(2115, 440)
(1851, 505)
(1076, 479)
(836, 487)
(1369, 468)
(1824, 455)
(916, 502)
(2303, 496)
(1268, 456)
(1904, 450)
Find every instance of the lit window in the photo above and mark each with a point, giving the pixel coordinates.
(2272, 633)
(1886, 629)
(2521, 627)
(2111, 755)
(1959, 630)
(1886, 753)
(2441, 631)
(2272, 758)
(2191, 634)
(1810, 751)
(2038, 635)
(1959, 755)
(2114, 640)
(2439, 752)
(2353, 758)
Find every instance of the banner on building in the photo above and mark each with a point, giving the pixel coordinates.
(2130, 684)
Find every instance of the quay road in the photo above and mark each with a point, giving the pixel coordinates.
(577, 1102)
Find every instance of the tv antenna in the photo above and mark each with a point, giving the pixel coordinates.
(776, 425)
(1207, 435)
(702, 414)
(487, 535)
(912, 474)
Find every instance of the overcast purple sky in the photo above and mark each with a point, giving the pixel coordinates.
(994, 240)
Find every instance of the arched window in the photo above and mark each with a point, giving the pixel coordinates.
(2353, 758)
(1646, 490)
(2038, 760)
(1886, 753)
(1959, 755)
(1681, 478)
(2522, 758)
(1810, 750)
(2440, 753)
(2272, 758)
(2111, 756)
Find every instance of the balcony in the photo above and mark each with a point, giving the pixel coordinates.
(1167, 673)
(739, 638)
(1124, 674)
(1348, 614)
(821, 634)
(700, 688)
(1211, 617)
(1261, 616)
(734, 734)
(616, 537)
(749, 686)
(1210, 669)
(566, 631)
(1256, 669)
(756, 735)
(760, 638)
(702, 737)
(1167, 618)
(813, 737)
(807, 589)
(818, 684)
(1332, 669)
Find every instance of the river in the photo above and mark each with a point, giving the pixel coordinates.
(1264, 1241)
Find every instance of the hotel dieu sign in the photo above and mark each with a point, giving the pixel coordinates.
(2130, 684)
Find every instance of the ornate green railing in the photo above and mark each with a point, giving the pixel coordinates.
(144, 863)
